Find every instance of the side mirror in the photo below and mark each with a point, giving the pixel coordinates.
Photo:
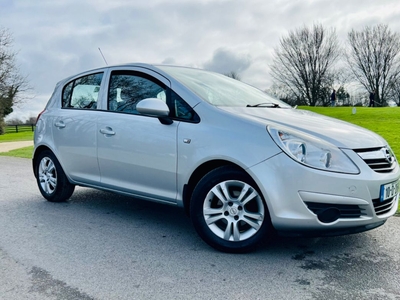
(153, 107)
(156, 108)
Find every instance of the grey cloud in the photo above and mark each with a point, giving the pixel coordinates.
(168, 61)
(225, 61)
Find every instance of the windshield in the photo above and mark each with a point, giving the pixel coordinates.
(221, 90)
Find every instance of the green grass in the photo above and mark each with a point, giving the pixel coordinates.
(22, 152)
(15, 137)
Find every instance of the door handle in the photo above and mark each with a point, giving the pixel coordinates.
(107, 131)
(59, 124)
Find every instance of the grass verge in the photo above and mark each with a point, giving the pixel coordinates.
(16, 137)
(21, 152)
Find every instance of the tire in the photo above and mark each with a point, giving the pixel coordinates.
(229, 212)
(51, 179)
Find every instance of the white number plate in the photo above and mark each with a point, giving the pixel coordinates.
(389, 190)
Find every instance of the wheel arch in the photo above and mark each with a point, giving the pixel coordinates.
(38, 150)
(58, 188)
(199, 173)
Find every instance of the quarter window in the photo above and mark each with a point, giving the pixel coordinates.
(82, 93)
(182, 110)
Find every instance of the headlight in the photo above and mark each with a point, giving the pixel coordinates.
(313, 152)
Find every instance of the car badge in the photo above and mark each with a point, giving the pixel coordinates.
(387, 155)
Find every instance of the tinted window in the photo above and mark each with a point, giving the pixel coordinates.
(127, 90)
(182, 110)
(82, 92)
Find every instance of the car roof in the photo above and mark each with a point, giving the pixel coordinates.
(149, 66)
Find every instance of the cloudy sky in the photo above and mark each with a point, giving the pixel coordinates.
(58, 38)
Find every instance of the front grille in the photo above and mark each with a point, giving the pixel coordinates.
(380, 165)
(384, 207)
(346, 210)
(381, 160)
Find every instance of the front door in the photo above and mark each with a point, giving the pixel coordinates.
(136, 153)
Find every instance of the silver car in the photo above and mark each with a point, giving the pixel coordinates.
(242, 164)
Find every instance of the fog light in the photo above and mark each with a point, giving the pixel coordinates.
(329, 215)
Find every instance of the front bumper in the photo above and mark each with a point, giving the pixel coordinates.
(295, 194)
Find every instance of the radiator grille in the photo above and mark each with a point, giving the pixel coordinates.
(381, 160)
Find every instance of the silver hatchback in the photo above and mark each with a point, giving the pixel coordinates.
(241, 163)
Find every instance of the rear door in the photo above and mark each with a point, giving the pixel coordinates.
(75, 128)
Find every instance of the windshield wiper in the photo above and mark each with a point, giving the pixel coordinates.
(267, 104)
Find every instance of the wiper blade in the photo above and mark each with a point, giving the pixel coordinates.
(267, 104)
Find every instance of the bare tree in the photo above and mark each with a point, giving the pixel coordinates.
(304, 63)
(374, 59)
(31, 120)
(11, 82)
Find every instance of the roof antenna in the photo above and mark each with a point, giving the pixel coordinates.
(103, 57)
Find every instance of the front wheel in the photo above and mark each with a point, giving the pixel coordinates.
(51, 179)
(228, 211)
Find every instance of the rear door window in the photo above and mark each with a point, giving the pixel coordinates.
(83, 92)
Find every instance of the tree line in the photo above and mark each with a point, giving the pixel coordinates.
(309, 63)
(16, 121)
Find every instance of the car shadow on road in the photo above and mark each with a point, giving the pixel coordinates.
(173, 219)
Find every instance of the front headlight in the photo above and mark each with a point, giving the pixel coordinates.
(313, 152)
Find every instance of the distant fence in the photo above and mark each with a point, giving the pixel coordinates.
(19, 128)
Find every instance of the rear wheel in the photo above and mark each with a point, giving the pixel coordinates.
(51, 179)
(228, 211)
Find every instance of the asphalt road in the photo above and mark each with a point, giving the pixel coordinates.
(105, 246)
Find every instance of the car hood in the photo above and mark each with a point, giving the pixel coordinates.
(337, 132)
